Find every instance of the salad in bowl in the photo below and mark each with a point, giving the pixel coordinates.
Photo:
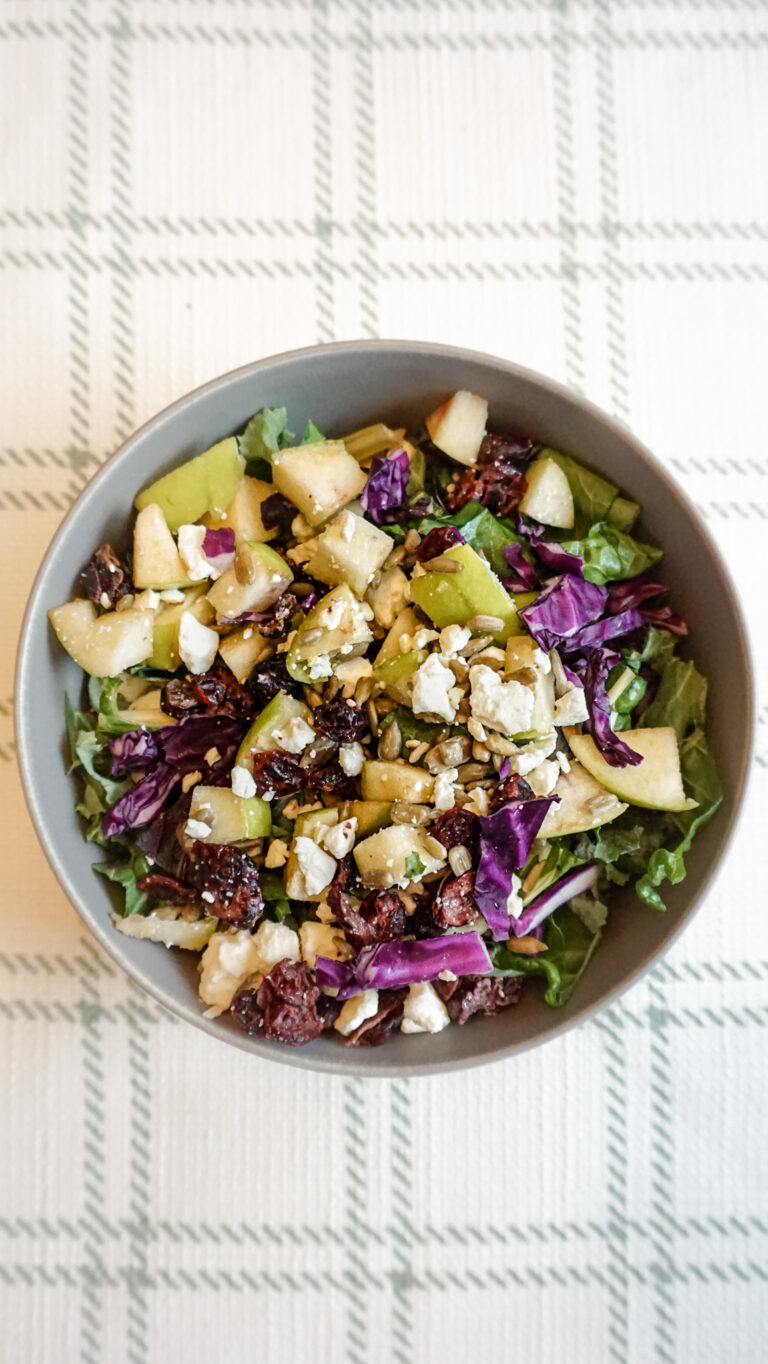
(375, 723)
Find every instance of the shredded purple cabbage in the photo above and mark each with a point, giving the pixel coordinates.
(665, 618)
(505, 769)
(551, 554)
(610, 627)
(186, 744)
(219, 548)
(575, 882)
(632, 593)
(524, 579)
(405, 961)
(139, 806)
(135, 748)
(563, 608)
(505, 842)
(598, 665)
(385, 490)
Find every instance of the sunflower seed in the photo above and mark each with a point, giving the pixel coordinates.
(403, 812)
(480, 753)
(442, 564)
(472, 771)
(373, 716)
(412, 541)
(459, 859)
(498, 745)
(475, 645)
(391, 742)
(486, 624)
(363, 691)
(332, 688)
(416, 754)
(450, 753)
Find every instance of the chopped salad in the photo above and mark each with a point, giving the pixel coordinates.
(376, 723)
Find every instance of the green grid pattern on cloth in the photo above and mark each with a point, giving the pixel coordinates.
(578, 185)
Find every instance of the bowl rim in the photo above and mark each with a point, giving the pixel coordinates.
(106, 935)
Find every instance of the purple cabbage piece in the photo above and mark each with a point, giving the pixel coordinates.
(186, 744)
(139, 806)
(610, 627)
(665, 618)
(385, 490)
(505, 769)
(575, 882)
(405, 961)
(505, 842)
(632, 593)
(612, 746)
(563, 608)
(135, 748)
(551, 554)
(525, 579)
(219, 548)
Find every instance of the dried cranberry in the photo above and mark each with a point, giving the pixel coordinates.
(279, 772)
(216, 692)
(286, 1007)
(104, 578)
(379, 918)
(512, 788)
(376, 1030)
(166, 888)
(421, 922)
(437, 541)
(331, 780)
(478, 995)
(497, 488)
(504, 448)
(178, 698)
(270, 677)
(276, 510)
(454, 903)
(276, 622)
(232, 878)
(341, 720)
(160, 840)
(346, 880)
(456, 828)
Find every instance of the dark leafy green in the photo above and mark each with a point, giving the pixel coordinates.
(681, 700)
(657, 650)
(126, 874)
(609, 554)
(482, 530)
(266, 433)
(410, 726)
(569, 944)
(592, 495)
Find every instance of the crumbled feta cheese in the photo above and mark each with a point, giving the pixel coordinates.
(565, 766)
(443, 796)
(198, 644)
(316, 868)
(356, 1010)
(195, 828)
(543, 779)
(350, 673)
(208, 896)
(478, 802)
(226, 963)
(295, 736)
(351, 758)
(434, 689)
(273, 943)
(277, 854)
(453, 638)
(423, 637)
(320, 667)
(571, 707)
(424, 1010)
(447, 975)
(532, 754)
(346, 525)
(504, 706)
(242, 782)
(171, 594)
(338, 839)
(332, 615)
(514, 899)
(149, 600)
(191, 553)
(323, 940)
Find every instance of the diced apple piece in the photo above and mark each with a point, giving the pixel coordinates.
(273, 719)
(243, 515)
(319, 479)
(308, 824)
(458, 427)
(396, 675)
(350, 551)
(171, 931)
(390, 595)
(204, 484)
(242, 650)
(656, 783)
(345, 633)
(372, 440)
(453, 598)
(584, 804)
(165, 635)
(406, 623)
(370, 814)
(156, 561)
(382, 781)
(147, 713)
(103, 646)
(548, 495)
(230, 818)
(397, 855)
(269, 573)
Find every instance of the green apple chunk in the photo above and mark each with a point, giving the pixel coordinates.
(396, 675)
(397, 856)
(267, 576)
(350, 551)
(104, 645)
(548, 495)
(584, 804)
(307, 824)
(458, 427)
(278, 713)
(204, 484)
(453, 598)
(656, 783)
(405, 623)
(342, 622)
(165, 635)
(171, 931)
(242, 650)
(370, 441)
(371, 815)
(156, 561)
(319, 479)
(147, 712)
(230, 818)
(243, 515)
(387, 781)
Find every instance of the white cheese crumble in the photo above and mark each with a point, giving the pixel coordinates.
(320, 667)
(191, 553)
(347, 523)
(350, 673)
(331, 616)
(195, 828)
(226, 963)
(444, 796)
(504, 706)
(514, 899)
(571, 707)
(323, 940)
(532, 754)
(351, 758)
(277, 854)
(171, 594)
(453, 638)
(316, 868)
(338, 839)
(242, 782)
(424, 1010)
(434, 689)
(423, 637)
(198, 644)
(273, 943)
(561, 758)
(295, 736)
(543, 779)
(356, 1010)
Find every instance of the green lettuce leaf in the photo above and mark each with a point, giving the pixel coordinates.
(126, 874)
(312, 433)
(702, 782)
(570, 944)
(482, 530)
(561, 858)
(610, 554)
(592, 495)
(681, 700)
(91, 760)
(265, 434)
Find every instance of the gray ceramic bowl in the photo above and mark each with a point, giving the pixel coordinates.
(343, 387)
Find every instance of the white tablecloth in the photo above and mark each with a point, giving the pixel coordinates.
(190, 184)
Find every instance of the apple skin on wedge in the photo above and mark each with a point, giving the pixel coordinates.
(454, 598)
(655, 784)
(204, 484)
(458, 426)
(584, 804)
